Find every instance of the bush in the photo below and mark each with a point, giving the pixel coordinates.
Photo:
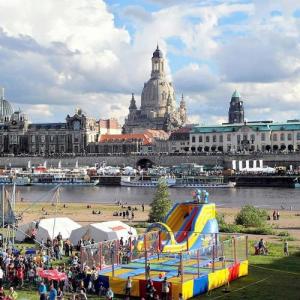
(250, 216)
(283, 233)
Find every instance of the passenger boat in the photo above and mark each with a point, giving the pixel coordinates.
(229, 184)
(63, 177)
(17, 180)
(203, 182)
(139, 182)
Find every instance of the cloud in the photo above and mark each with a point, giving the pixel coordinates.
(62, 54)
(195, 78)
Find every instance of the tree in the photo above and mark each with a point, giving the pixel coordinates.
(161, 203)
(250, 216)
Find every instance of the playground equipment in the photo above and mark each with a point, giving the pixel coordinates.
(187, 249)
(188, 225)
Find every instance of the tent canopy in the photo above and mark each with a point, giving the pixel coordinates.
(47, 228)
(104, 231)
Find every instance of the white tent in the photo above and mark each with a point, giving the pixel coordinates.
(48, 228)
(111, 230)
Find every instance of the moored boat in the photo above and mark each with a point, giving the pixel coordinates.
(139, 182)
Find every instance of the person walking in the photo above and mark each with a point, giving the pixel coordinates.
(52, 293)
(1, 277)
(43, 291)
(128, 286)
(165, 289)
(286, 248)
(278, 215)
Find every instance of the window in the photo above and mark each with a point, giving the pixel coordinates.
(228, 138)
(200, 139)
(282, 136)
(193, 139)
(207, 139)
(245, 137)
(298, 136)
(289, 137)
(42, 138)
(221, 138)
(275, 137)
(214, 138)
(33, 138)
(51, 138)
(263, 136)
(238, 138)
(252, 138)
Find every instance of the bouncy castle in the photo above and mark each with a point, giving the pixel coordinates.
(187, 250)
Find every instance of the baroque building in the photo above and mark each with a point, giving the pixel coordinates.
(19, 136)
(158, 103)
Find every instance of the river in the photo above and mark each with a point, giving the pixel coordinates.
(273, 198)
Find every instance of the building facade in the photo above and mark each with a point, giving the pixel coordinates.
(158, 103)
(19, 136)
(251, 136)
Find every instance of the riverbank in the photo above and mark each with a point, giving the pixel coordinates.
(288, 224)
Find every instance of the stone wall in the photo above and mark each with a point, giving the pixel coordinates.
(162, 160)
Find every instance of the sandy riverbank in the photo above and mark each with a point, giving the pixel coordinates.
(289, 220)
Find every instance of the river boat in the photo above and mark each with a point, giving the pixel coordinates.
(76, 176)
(229, 184)
(21, 180)
(203, 182)
(139, 182)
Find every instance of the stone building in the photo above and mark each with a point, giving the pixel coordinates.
(19, 136)
(248, 136)
(128, 143)
(158, 103)
(236, 109)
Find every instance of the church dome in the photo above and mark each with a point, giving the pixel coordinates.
(5, 108)
(155, 96)
(157, 53)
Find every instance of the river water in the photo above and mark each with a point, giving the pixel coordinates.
(273, 198)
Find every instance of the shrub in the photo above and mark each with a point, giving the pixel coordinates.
(283, 233)
(250, 216)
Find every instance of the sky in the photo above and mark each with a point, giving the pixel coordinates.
(58, 55)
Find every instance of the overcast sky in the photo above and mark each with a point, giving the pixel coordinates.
(56, 55)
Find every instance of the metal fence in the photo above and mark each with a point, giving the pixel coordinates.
(217, 251)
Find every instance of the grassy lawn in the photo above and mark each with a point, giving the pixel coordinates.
(271, 277)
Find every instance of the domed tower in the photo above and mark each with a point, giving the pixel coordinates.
(236, 109)
(156, 91)
(5, 108)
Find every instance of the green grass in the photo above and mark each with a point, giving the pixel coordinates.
(271, 277)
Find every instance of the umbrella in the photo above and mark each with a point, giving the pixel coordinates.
(51, 274)
(30, 251)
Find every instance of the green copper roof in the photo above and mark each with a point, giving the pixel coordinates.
(254, 126)
(236, 94)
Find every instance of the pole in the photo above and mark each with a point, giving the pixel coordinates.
(181, 267)
(100, 252)
(234, 250)
(3, 223)
(247, 250)
(198, 262)
(13, 209)
(213, 258)
(146, 262)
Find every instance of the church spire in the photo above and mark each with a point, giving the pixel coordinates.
(132, 105)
